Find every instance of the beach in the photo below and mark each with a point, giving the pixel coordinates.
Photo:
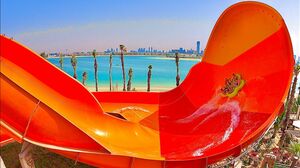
(137, 89)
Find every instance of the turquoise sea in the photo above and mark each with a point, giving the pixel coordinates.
(163, 71)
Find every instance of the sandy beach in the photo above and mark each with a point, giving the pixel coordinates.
(137, 89)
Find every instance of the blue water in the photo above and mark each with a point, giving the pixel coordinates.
(163, 71)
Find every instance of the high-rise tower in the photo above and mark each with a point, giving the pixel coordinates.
(198, 47)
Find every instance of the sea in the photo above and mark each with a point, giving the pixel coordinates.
(163, 71)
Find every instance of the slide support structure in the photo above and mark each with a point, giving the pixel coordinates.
(25, 156)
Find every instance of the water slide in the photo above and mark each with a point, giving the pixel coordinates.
(226, 102)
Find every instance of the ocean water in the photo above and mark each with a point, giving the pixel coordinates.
(163, 70)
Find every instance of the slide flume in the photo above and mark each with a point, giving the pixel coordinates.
(226, 102)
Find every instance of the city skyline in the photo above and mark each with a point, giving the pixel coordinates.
(56, 26)
(196, 50)
(142, 50)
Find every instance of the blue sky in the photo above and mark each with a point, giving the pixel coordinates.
(77, 25)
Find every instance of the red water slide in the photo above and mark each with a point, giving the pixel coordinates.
(226, 102)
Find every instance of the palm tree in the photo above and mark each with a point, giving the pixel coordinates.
(61, 61)
(294, 148)
(110, 69)
(298, 113)
(177, 68)
(96, 69)
(130, 72)
(286, 122)
(74, 65)
(288, 96)
(44, 55)
(296, 107)
(84, 77)
(123, 49)
(149, 77)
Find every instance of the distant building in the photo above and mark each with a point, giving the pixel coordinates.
(181, 50)
(198, 47)
(53, 54)
(190, 51)
(201, 53)
(142, 50)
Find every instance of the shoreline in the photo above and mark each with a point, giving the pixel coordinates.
(137, 89)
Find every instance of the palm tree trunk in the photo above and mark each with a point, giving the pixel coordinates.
(129, 84)
(74, 65)
(96, 72)
(286, 122)
(288, 96)
(123, 71)
(61, 61)
(129, 80)
(60, 65)
(148, 80)
(84, 77)
(149, 77)
(289, 108)
(277, 123)
(177, 77)
(177, 69)
(110, 70)
(75, 74)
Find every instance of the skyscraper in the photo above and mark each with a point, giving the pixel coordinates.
(198, 47)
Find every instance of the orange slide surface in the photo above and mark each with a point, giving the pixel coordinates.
(205, 119)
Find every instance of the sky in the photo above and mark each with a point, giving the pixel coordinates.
(78, 25)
